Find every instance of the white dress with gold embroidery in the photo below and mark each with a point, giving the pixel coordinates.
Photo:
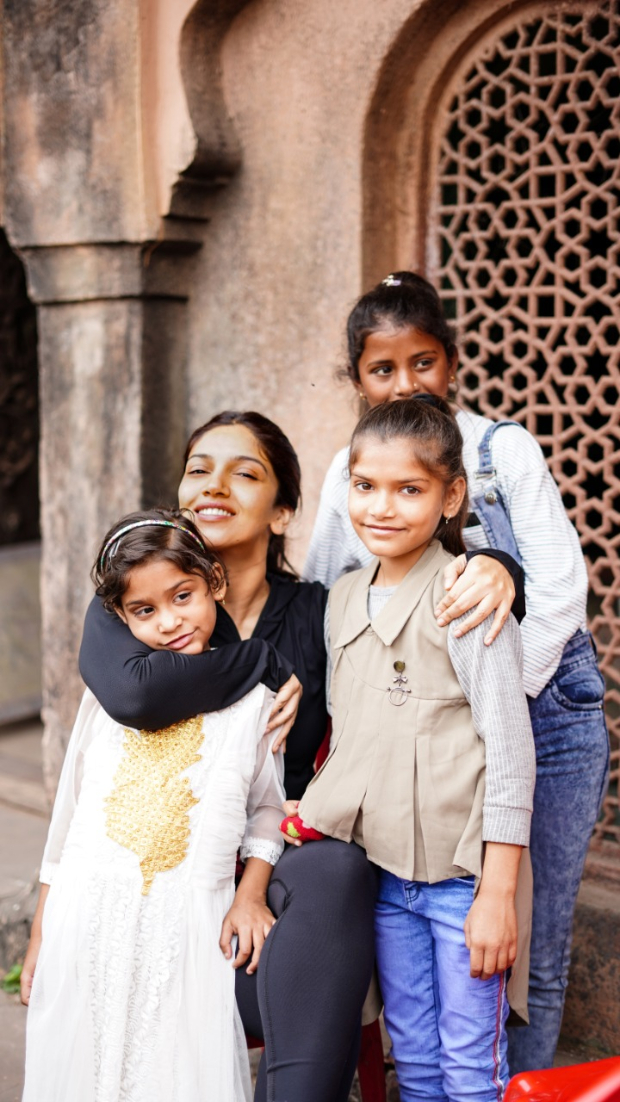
(132, 999)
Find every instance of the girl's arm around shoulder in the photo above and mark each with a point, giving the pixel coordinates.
(150, 689)
(491, 679)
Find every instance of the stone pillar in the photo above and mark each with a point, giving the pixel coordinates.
(112, 369)
(85, 191)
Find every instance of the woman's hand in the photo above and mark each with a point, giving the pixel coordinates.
(284, 711)
(491, 934)
(249, 917)
(482, 583)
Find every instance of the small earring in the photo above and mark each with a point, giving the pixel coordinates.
(453, 378)
(446, 519)
(363, 396)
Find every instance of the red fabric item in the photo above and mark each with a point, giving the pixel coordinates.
(595, 1082)
(370, 1069)
(323, 750)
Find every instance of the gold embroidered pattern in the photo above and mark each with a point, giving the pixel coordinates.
(147, 810)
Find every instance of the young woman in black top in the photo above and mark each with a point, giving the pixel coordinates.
(242, 482)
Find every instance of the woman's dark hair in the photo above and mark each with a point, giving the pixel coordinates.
(428, 424)
(283, 459)
(404, 300)
(152, 534)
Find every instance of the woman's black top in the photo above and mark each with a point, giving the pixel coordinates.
(149, 689)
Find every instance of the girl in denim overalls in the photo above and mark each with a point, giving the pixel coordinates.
(400, 344)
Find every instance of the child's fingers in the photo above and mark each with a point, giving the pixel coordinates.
(476, 959)
(245, 947)
(289, 807)
(292, 841)
(25, 987)
(226, 938)
(457, 604)
(259, 941)
(280, 739)
(453, 571)
(286, 703)
(501, 615)
(489, 963)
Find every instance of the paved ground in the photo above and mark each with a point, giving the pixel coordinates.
(23, 828)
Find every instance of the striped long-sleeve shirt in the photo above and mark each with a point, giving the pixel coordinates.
(555, 575)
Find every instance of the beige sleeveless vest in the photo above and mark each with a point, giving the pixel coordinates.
(399, 732)
(405, 774)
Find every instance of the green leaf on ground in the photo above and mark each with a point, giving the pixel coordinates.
(10, 983)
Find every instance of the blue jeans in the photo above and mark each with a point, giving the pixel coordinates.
(447, 1030)
(572, 762)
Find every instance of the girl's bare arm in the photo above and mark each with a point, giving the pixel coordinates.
(34, 946)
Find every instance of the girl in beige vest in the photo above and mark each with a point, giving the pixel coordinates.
(431, 767)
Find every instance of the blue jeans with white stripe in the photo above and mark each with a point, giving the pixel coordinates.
(448, 1030)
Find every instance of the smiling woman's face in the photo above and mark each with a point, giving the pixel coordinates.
(230, 486)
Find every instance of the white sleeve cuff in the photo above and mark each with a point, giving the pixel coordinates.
(261, 847)
(48, 869)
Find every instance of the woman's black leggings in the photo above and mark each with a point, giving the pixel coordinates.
(306, 997)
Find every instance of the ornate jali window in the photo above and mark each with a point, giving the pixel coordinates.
(524, 241)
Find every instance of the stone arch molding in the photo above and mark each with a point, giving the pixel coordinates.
(201, 154)
(397, 159)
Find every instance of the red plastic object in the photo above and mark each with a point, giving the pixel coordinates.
(596, 1082)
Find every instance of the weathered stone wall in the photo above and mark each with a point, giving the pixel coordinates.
(282, 261)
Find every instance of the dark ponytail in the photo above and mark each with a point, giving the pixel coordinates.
(428, 424)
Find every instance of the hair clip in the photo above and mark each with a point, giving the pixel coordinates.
(389, 281)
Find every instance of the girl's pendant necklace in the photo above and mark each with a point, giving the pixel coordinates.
(397, 691)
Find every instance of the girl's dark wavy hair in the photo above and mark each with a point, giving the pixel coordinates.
(428, 424)
(283, 458)
(189, 553)
(408, 301)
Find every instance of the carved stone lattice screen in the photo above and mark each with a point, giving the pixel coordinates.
(524, 242)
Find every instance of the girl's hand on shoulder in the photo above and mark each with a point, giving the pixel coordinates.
(491, 933)
(251, 920)
(482, 584)
(284, 711)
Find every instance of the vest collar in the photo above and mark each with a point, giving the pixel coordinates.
(394, 615)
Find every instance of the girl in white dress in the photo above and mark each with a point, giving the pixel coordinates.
(129, 971)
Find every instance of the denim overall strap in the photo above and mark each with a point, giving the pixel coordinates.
(487, 502)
